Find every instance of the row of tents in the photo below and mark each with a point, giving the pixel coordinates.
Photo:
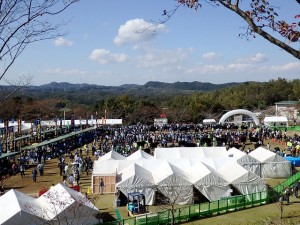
(176, 173)
(59, 205)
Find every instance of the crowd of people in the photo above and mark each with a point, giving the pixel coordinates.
(128, 139)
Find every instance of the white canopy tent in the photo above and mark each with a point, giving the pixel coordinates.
(272, 164)
(244, 181)
(59, 205)
(245, 160)
(209, 121)
(135, 178)
(66, 206)
(18, 209)
(209, 183)
(177, 186)
(276, 120)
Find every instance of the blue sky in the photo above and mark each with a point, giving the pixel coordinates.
(105, 45)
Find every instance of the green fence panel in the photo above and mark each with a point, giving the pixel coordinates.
(129, 221)
(183, 214)
(223, 205)
(281, 187)
(214, 207)
(194, 210)
(205, 209)
(163, 217)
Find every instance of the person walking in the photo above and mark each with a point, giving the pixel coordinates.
(296, 188)
(40, 167)
(34, 174)
(22, 170)
(101, 186)
(66, 169)
(287, 195)
(71, 180)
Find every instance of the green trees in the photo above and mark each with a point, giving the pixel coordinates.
(179, 106)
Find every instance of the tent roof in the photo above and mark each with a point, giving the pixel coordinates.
(139, 155)
(209, 121)
(23, 209)
(270, 119)
(110, 167)
(135, 175)
(112, 155)
(264, 155)
(240, 156)
(232, 172)
(14, 202)
(189, 152)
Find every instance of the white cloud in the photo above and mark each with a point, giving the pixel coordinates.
(136, 31)
(292, 66)
(104, 56)
(257, 58)
(60, 41)
(65, 72)
(211, 56)
(217, 69)
(156, 58)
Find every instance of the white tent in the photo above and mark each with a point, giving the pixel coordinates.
(135, 178)
(66, 206)
(209, 121)
(112, 155)
(209, 183)
(244, 181)
(245, 160)
(272, 164)
(18, 209)
(277, 120)
(59, 205)
(109, 167)
(139, 155)
(189, 152)
(214, 152)
(176, 186)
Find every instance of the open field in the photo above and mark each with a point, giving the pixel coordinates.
(106, 202)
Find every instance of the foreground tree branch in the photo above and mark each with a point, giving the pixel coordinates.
(261, 17)
(23, 22)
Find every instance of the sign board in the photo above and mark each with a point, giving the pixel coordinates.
(160, 121)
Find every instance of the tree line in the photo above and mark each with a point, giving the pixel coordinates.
(179, 107)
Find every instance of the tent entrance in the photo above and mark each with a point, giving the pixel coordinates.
(161, 199)
(235, 191)
(198, 197)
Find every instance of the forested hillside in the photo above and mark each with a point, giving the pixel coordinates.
(181, 101)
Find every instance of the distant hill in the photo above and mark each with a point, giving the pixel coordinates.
(190, 86)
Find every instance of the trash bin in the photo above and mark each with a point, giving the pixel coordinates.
(118, 202)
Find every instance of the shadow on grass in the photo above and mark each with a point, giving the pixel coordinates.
(107, 217)
(13, 187)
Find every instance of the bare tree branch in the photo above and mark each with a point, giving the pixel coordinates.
(260, 17)
(25, 22)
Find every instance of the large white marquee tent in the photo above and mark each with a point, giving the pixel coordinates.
(212, 171)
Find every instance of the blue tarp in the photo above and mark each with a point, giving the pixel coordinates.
(294, 160)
